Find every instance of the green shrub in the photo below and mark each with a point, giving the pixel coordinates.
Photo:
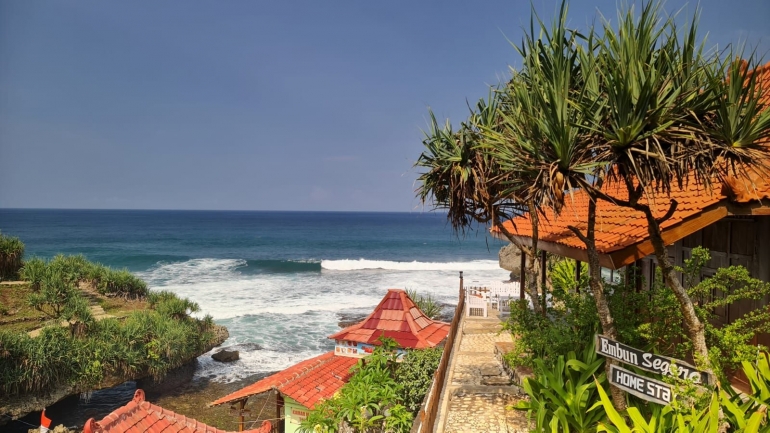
(34, 271)
(560, 396)
(720, 410)
(146, 342)
(416, 370)
(56, 292)
(729, 345)
(123, 283)
(429, 306)
(571, 322)
(11, 256)
(77, 269)
(369, 402)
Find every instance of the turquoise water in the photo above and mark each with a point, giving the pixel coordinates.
(280, 281)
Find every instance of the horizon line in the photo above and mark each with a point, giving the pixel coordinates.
(435, 212)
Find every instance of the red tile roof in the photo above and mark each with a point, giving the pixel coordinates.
(308, 382)
(139, 416)
(396, 317)
(619, 229)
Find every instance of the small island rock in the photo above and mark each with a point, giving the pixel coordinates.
(225, 355)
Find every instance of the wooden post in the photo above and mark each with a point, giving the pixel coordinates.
(461, 281)
(523, 275)
(577, 275)
(543, 267)
(278, 405)
(242, 405)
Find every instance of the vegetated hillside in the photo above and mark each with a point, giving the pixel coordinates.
(73, 326)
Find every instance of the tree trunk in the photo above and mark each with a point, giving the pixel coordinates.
(530, 285)
(596, 283)
(532, 267)
(695, 328)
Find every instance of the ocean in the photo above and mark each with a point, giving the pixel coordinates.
(279, 281)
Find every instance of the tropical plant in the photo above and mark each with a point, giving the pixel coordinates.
(722, 410)
(370, 402)
(560, 397)
(663, 419)
(11, 255)
(417, 369)
(55, 294)
(637, 104)
(729, 345)
(34, 271)
(429, 306)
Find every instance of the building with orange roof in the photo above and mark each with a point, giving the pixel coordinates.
(140, 416)
(300, 387)
(396, 317)
(732, 220)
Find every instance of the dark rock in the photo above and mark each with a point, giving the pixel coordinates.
(226, 355)
(350, 319)
(510, 259)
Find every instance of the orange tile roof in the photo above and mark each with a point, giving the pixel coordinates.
(619, 228)
(396, 317)
(139, 416)
(308, 382)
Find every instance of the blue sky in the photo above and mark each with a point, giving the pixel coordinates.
(290, 105)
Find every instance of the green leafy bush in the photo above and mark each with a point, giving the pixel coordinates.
(11, 255)
(729, 345)
(560, 396)
(34, 271)
(571, 321)
(416, 370)
(429, 306)
(720, 410)
(370, 402)
(77, 269)
(146, 342)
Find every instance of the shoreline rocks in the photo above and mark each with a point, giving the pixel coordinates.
(225, 355)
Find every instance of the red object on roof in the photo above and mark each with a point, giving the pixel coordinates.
(621, 233)
(396, 317)
(308, 382)
(139, 416)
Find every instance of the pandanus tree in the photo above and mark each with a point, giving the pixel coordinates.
(672, 116)
(465, 181)
(543, 137)
(641, 107)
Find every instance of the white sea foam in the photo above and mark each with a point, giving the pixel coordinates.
(291, 314)
(363, 264)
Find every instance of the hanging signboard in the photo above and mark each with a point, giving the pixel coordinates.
(649, 361)
(640, 386)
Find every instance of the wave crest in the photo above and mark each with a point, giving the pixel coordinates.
(362, 264)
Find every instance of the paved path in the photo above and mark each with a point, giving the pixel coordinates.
(477, 389)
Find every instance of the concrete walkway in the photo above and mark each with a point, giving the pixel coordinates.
(477, 389)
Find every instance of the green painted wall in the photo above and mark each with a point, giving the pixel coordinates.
(294, 413)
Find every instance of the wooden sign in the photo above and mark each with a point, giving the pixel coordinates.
(649, 361)
(640, 386)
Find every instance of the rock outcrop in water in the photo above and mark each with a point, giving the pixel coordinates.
(225, 355)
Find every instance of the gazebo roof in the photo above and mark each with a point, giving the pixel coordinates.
(396, 317)
(308, 382)
(139, 416)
